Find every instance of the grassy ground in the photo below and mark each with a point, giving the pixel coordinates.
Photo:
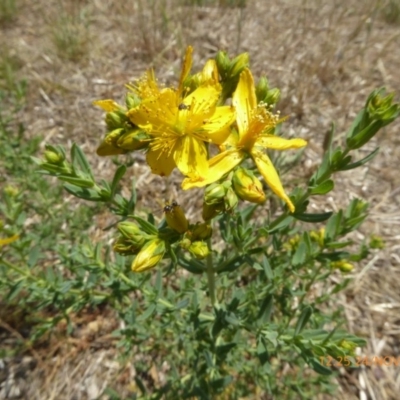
(325, 56)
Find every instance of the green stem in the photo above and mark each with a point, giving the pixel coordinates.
(210, 273)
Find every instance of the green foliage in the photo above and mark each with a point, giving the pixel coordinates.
(390, 10)
(8, 10)
(70, 34)
(33, 208)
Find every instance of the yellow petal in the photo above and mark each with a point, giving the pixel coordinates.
(187, 65)
(190, 156)
(161, 110)
(218, 126)
(271, 177)
(209, 74)
(203, 101)
(278, 143)
(107, 105)
(244, 100)
(9, 240)
(219, 166)
(160, 162)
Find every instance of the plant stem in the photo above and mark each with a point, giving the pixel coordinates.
(210, 273)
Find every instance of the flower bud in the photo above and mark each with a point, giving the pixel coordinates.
(381, 107)
(212, 210)
(247, 186)
(109, 145)
(348, 345)
(53, 156)
(262, 89)
(376, 242)
(114, 120)
(185, 243)
(133, 233)
(272, 96)
(201, 231)
(135, 139)
(238, 64)
(175, 217)
(199, 249)
(215, 193)
(223, 63)
(343, 266)
(131, 101)
(124, 246)
(149, 256)
(230, 200)
(11, 191)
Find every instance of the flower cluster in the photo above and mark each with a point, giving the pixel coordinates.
(220, 106)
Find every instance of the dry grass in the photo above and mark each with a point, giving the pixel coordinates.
(325, 56)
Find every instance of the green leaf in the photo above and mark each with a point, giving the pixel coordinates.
(145, 225)
(303, 319)
(363, 161)
(267, 269)
(83, 193)
(34, 256)
(334, 256)
(192, 265)
(119, 173)
(262, 352)
(300, 255)
(319, 368)
(281, 225)
(80, 163)
(313, 217)
(232, 264)
(81, 182)
(333, 226)
(264, 313)
(150, 310)
(323, 188)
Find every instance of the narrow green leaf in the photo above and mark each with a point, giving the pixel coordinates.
(119, 173)
(281, 225)
(146, 226)
(232, 264)
(83, 193)
(267, 269)
(319, 368)
(80, 163)
(150, 310)
(323, 188)
(182, 304)
(81, 182)
(303, 319)
(192, 265)
(264, 313)
(301, 254)
(363, 161)
(313, 217)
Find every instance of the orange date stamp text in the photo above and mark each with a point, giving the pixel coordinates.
(358, 361)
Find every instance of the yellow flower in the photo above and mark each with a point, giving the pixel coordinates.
(9, 240)
(256, 126)
(181, 124)
(149, 256)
